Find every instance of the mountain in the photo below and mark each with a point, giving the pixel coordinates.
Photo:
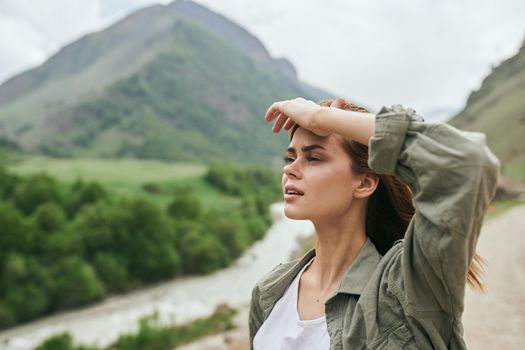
(175, 81)
(497, 109)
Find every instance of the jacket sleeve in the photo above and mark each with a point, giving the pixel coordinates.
(255, 318)
(453, 177)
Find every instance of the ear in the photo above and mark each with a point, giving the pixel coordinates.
(367, 186)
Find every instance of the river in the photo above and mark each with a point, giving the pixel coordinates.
(176, 301)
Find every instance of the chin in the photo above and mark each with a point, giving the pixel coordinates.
(294, 214)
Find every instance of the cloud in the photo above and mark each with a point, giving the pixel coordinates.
(421, 53)
(30, 31)
(19, 46)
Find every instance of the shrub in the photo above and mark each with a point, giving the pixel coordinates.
(49, 217)
(17, 234)
(83, 194)
(75, 283)
(34, 191)
(151, 187)
(185, 205)
(112, 270)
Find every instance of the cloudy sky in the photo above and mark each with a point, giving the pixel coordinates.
(424, 54)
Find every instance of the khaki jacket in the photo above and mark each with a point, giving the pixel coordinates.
(413, 296)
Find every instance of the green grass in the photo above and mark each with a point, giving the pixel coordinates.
(154, 336)
(126, 177)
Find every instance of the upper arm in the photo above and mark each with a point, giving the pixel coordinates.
(453, 177)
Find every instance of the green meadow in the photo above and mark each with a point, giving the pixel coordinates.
(156, 180)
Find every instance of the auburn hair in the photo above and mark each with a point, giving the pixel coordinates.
(390, 208)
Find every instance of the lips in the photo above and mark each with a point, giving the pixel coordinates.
(293, 190)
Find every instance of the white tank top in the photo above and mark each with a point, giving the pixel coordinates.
(283, 330)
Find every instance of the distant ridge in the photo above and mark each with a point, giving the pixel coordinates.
(175, 81)
(497, 109)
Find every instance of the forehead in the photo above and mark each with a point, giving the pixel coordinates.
(304, 137)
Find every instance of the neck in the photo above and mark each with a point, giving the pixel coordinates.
(338, 243)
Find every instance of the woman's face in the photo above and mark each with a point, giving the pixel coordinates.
(320, 169)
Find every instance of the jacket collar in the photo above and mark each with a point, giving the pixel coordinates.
(357, 275)
(359, 272)
(353, 282)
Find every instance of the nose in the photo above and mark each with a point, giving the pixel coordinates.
(290, 170)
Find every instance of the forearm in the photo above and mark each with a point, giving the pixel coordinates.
(356, 126)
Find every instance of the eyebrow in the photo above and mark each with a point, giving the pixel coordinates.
(306, 148)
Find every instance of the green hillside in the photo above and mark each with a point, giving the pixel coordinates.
(157, 180)
(164, 83)
(498, 110)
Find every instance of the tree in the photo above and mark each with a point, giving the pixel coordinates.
(23, 294)
(202, 253)
(8, 183)
(185, 205)
(75, 283)
(36, 190)
(27, 300)
(61, 243)
(221, 176)
(101, 228)
(112, 270)
(149, 246)
(136, 231)
(83, 194)
(7, 317)
(49, 217)
(17, 234)
(229, 229)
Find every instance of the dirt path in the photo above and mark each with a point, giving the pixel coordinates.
(494, 320)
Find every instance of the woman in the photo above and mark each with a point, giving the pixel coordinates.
(362, 287)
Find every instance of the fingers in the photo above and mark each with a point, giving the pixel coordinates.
(289, 123)
(273, 111)
(282, 120)
(338, 103)
(279, 123)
